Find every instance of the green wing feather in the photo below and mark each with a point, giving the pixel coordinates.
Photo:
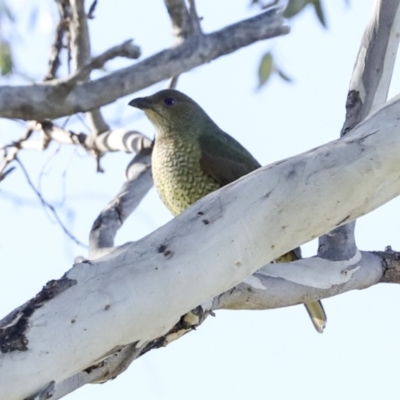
(223, 158)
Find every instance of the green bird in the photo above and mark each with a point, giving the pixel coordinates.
(192, 157)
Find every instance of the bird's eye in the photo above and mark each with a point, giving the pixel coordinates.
(169, 101)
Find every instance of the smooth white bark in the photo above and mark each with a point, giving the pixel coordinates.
(140, 291)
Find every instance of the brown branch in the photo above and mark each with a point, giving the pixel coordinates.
(62, 31)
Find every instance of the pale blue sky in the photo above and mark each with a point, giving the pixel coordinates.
(237, 355)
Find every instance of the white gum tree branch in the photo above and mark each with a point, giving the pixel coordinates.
(139, 182)
(368, 89)
(53, 99)
(141, 290)
(307, 280)
(121, 139)
(287, 284)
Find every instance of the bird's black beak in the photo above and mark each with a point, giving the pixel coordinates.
(141, 102)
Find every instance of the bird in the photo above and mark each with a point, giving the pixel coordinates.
(193, 157)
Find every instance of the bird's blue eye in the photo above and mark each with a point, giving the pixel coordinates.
(169, 101)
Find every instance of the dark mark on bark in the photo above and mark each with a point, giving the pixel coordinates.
(46, 393)
(162, 248)
(183, 325)
(14, 326)
(168, 254)
(343, 220)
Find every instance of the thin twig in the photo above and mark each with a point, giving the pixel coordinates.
(92, 9)
(43, 169)
(173, 82)
(6, 172)
(126, 49)
(49, 206)
(62, 31)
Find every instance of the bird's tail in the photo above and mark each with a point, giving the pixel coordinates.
(317, 314)
(315, 309)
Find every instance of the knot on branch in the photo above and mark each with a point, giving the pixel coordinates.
(391, 265)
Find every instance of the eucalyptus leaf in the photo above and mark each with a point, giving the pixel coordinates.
(6, 62)
(265, 69)
(294, 7)
(319, 11)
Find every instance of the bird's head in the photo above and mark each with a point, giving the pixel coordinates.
(172, 112)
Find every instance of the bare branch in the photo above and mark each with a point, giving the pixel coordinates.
(54, 132)
(53, 99)
(10, 151)
(194, 17)
(181, 20)
(173, 82)
(374, 65)
(204, 252)
(80, 46)
(6, 172)
(61, 31)
(120, 139)
(126, 49)
(106, 225)
(80, 42)
(49, 206)
(368, 90)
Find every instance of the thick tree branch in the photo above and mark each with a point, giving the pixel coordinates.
(307, 279)
(54, 99)
(368, 90)
(268, 288)
(374, 65)
(143, 288)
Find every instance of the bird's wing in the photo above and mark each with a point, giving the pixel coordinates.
(223, 158)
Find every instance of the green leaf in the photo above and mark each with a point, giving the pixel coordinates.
(294, 7)
(319, 11)
(285, 77)
(6, 63)
(265, 69)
